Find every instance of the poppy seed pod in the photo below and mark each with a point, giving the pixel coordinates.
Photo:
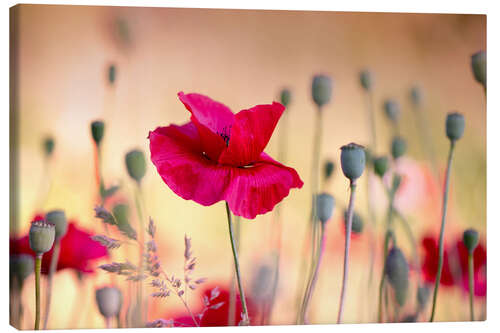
(97, 129)
(21, 266)
(396, 269)
(471, 239)
(391, 109)
(321, 89)
(381, 165)
(109, 301)
(41, 236)
(112, 74)
(329, 169)
(423, 293)
(58, 218)
(324, 206)
(478, 63)
(352, 160)
(365, 78)
(48, 146)
(285, 97)
(357, 222)
(136, 164)
(398, 147)
(455, 126)
(415, 96)
(121, 213)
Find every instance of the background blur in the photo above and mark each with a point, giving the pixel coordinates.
(243, 58)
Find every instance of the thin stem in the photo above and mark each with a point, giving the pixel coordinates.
(310, 290)
(52, 270)
(350, 213)
(388, 233)
(371, 116)
(425, 139)
(108, 322)
(138, 200)
(312, 223)
(245, 321)
(471, 285)
(441, 234)
(38, 268)
(412, 240)
(232, 290)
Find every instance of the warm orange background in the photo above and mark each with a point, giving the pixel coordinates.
(240, 58)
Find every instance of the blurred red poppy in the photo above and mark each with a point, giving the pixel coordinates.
(219, 315)
(78, 250)
(219, 156)
(455, 269)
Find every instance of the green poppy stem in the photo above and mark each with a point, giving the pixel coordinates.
(471, 285)
(350, 213)
(138, 201)
(245, 321)
(232, 289)
(387, 238)
(441, 234)
(52, 269)
(38, 268)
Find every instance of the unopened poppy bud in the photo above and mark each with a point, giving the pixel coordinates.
(109, 301)
(478, 63)
(396, 269)
(321, 89)
(398, 147)
(471, 239)
(381, 165)
(365, 78)
(352, 160)
(285, 97)
(21, 266)
(357, 222)
(112, 74)
(324, 206)
(97, 129)
(41, 236)
(455, 126)
(415, 96)
(329, 169)
(136, 164)
(48, 146)
(58, 218)
(423, 293)
(391, 109)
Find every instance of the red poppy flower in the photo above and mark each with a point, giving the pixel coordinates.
(219, 155)
(78, 250)
(455, 265)
(218, 316)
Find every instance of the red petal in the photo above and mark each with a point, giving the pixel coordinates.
(250, 134)
(212, 119)
(257, 189)
(181, 164)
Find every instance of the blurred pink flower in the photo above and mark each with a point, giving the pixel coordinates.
(219, 155)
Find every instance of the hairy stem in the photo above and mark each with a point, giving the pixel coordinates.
(471, 285)
(350, 212)
(38, 268)
(441, 234)
(52, 270)
(245, 321)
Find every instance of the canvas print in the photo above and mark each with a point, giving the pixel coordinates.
(183, 167)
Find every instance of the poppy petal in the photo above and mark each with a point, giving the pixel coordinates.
(212, 119)
(250, 134)
(257, 189)
(176, 154)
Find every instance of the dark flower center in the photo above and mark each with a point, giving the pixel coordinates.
(225, 134)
